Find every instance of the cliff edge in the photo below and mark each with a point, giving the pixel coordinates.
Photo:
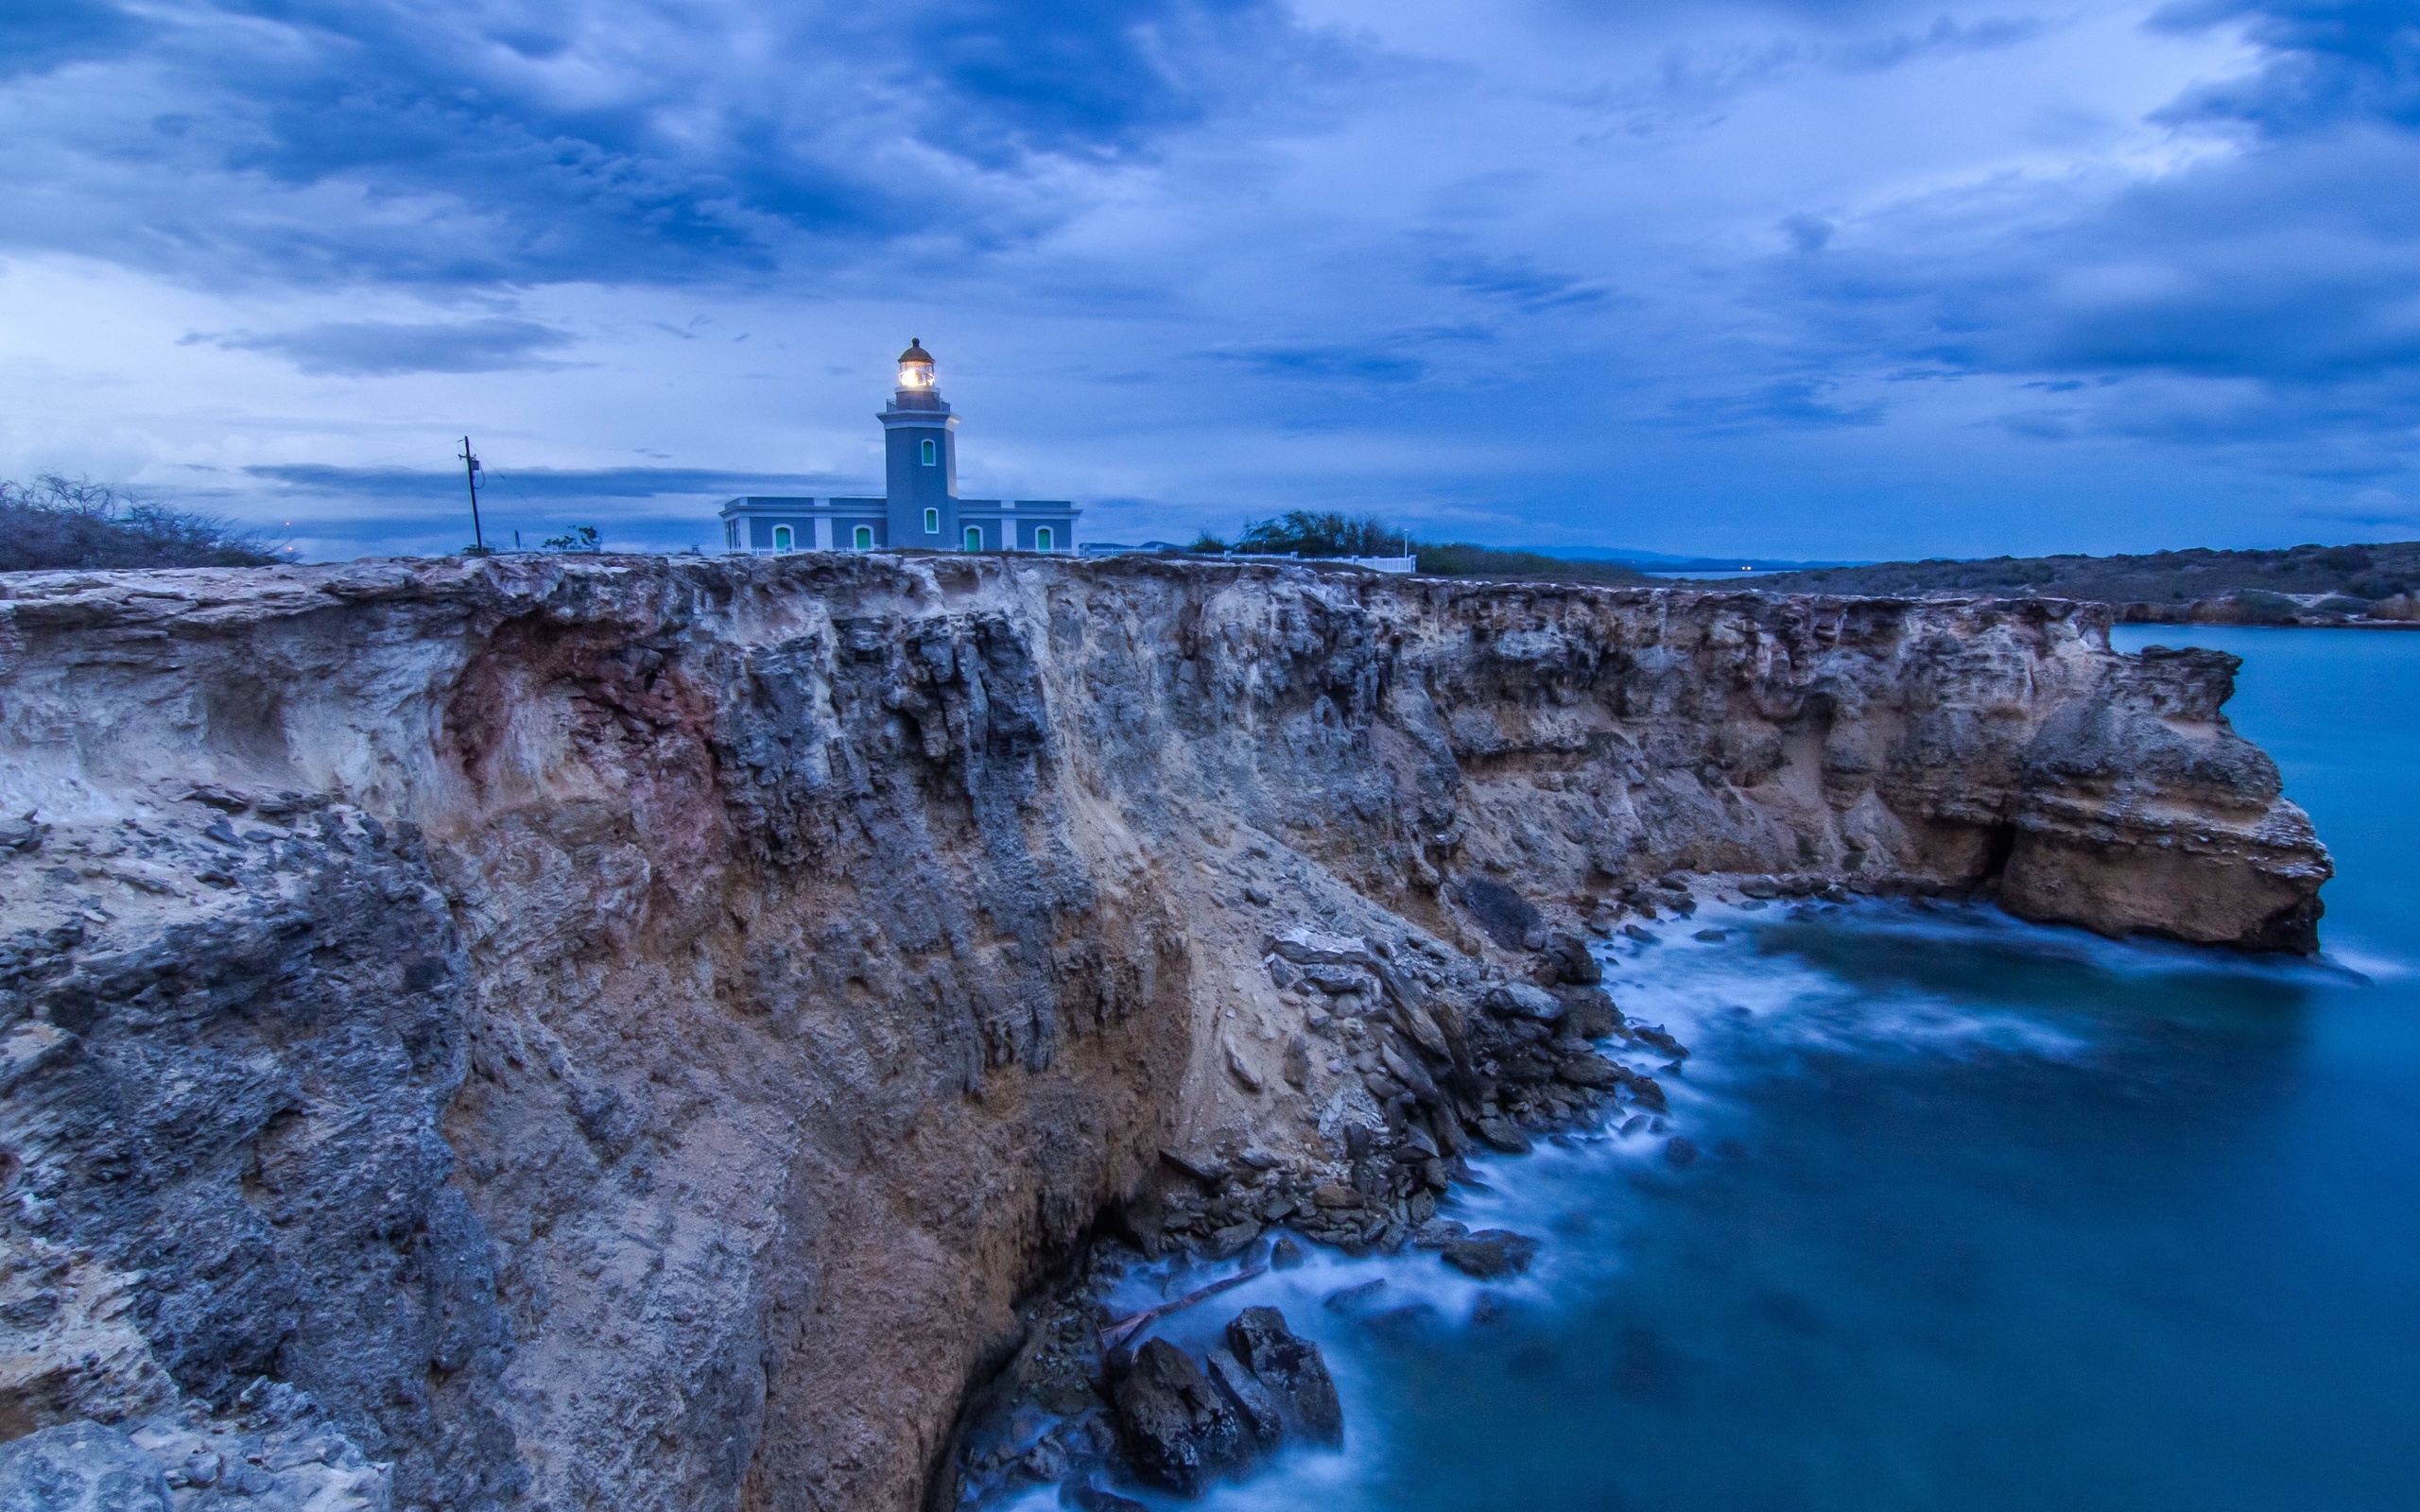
(627, 1031)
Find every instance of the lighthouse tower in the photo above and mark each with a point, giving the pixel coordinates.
(920, 445)
(920, 510)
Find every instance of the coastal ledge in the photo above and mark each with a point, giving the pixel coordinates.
(632, 1030)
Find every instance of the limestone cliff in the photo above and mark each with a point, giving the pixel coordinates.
(623, 1032)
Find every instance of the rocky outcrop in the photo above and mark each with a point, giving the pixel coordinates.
(628, 1031)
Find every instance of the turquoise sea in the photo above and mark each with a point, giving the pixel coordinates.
(1986, 1217)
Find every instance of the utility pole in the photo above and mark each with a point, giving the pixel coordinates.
(471, 475)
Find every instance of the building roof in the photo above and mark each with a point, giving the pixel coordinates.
(915, 352)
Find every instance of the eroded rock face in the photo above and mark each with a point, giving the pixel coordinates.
(625, 1031)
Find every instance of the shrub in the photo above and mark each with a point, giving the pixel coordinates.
(54, 523)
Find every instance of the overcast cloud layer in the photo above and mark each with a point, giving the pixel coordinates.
(1849, 279)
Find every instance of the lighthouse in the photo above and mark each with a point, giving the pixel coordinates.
(920, 457)
(918, 508)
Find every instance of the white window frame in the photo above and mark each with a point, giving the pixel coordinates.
(973, 538)
(863, 536)
(1042, 538)
(932, 453)
(932, 522)
(783, 538)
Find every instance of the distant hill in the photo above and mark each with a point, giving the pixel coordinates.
(2300, 585)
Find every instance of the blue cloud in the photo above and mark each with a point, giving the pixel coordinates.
(1791, 403)
(37, 37)
(1318, 361)
(539, 483)
(2279, 277)
(1517, 281)
(312, 140)
(382, 348)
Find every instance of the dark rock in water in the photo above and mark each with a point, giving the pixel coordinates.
(1643, 937)
(1680, 1151)
(1488, 1308)
(1589, 1015)
(1244, 1392)
(1437, 1234)
(1503, 1134)
(80, 1466)
(1084, 1497)
(1761, 887)
(1568, 955)
(1649, 1034)
(1286, 1254)
(1491, 1253)
(1589, 1070)
(1178, 1430)
(1293, 1370)
(1353, 1298)
(1404, 1322)
(1712, 937)
(1632, 1124)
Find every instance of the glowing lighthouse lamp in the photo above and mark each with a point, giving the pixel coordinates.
(915, 366)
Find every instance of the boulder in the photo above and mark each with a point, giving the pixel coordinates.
(1252, 1401)
(1503, 1135)
(1572, 962)
(1207, 1169)
(1229, 1242)
(1587, 1013)
(79, 1466)
(1409, 1071)
(1520, 999)
(1292, 1369)
(1589, 1069)
(1336, 981)
(1297, 1069)
(1491, 1253)
(1653, 1034)
(1240, 1069)
(1311, 947)
(1178, 1430)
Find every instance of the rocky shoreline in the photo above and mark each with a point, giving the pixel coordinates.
(1454, 1059)
(646, 1032)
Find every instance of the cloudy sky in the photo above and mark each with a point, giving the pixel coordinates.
(1822, 280)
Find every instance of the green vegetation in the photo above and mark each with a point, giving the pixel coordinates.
(1307, 533)
(1462, 560)
(2257, 579)
(55, 522)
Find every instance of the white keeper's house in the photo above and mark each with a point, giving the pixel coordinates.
(922, 509)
